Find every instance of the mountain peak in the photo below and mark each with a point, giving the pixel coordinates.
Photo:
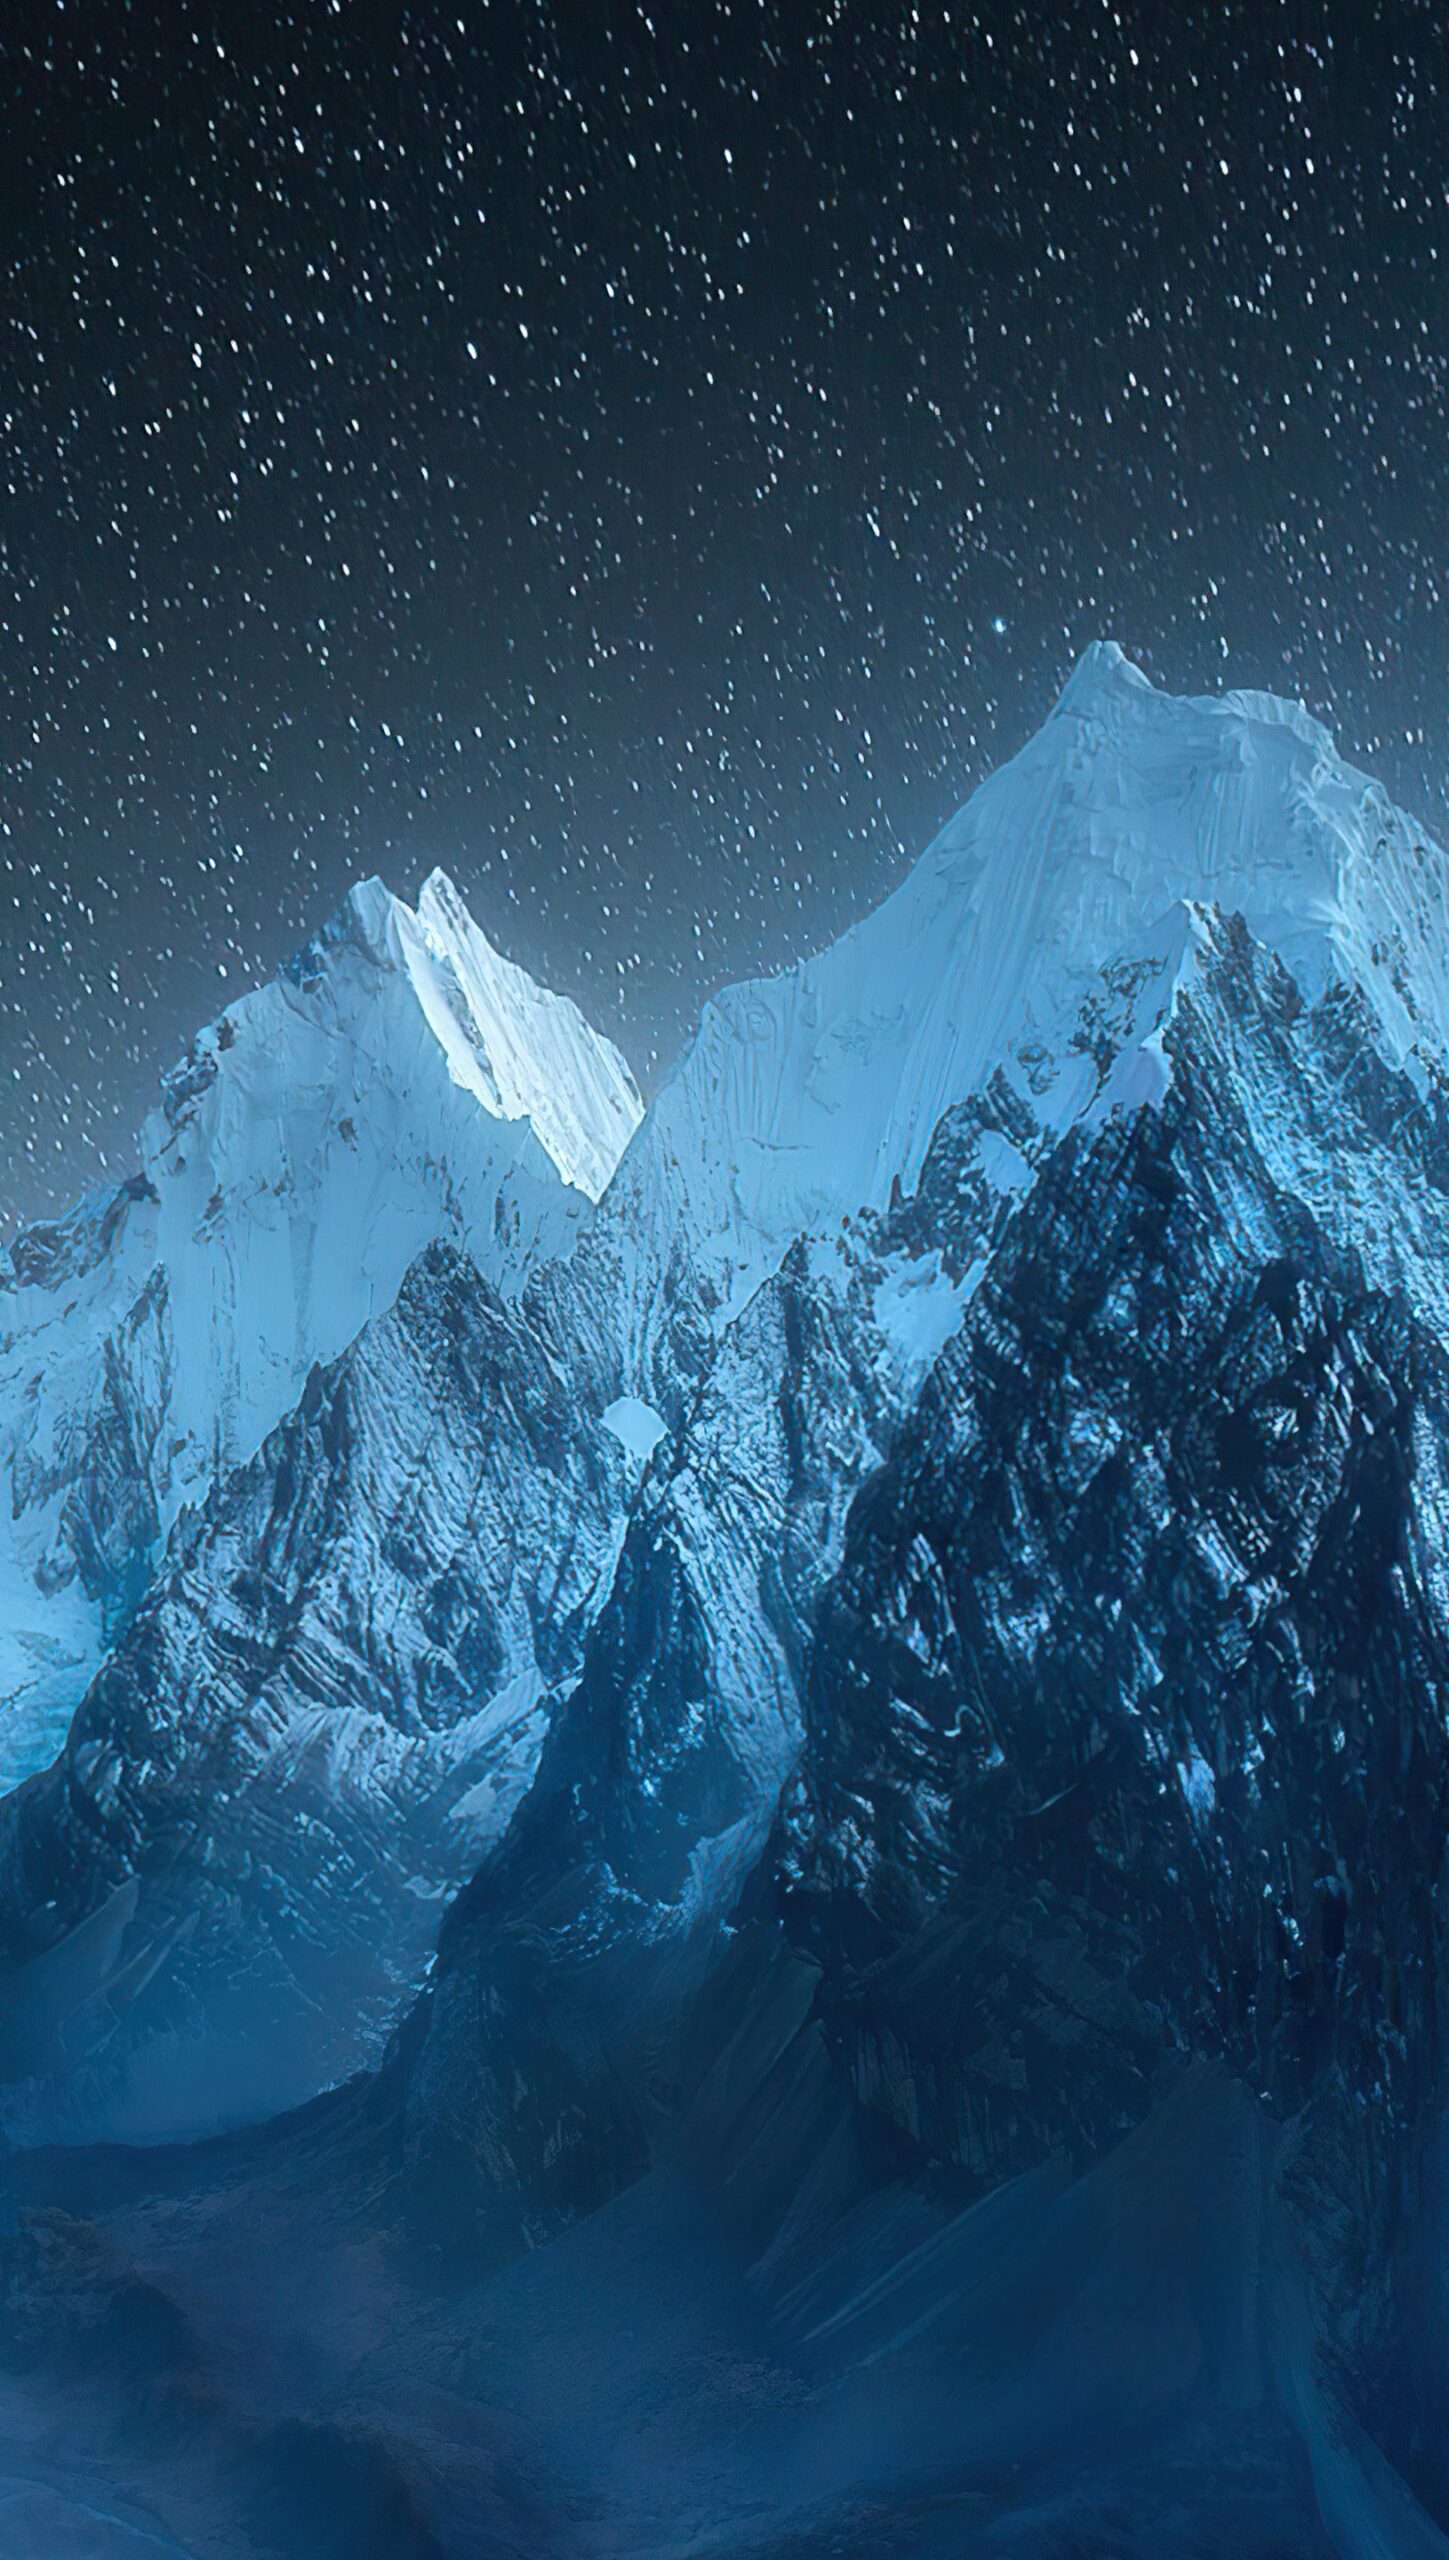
(1103, 667)
(364, 922)
(1105, 679)
(810, 1093)
(396, 1083)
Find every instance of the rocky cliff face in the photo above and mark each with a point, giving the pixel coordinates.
(662, 1772)
(1126, 1739)
(330, 1703)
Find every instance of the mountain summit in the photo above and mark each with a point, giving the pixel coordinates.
(806, 1095)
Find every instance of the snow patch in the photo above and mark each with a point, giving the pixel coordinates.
(1004, 1165)
(918, 1307)
(1199, 1787)
(635, 1424)
(506, 1732)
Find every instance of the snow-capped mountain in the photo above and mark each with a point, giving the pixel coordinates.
(1053, 935)
(401, 1081)
(805, 1096)
(923, 1640)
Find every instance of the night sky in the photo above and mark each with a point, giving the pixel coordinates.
(653, 463)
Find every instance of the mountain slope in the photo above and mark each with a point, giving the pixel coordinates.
(320, 1714)
(399, 1082)
(224, 1891)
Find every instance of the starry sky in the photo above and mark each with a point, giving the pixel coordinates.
(653, 459)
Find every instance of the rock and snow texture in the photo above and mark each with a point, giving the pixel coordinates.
(1114, 1841)
(340, 1686)
(399, 1082)
(324, 1709)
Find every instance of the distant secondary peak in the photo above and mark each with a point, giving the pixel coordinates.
(368, 912)
(440, 903)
